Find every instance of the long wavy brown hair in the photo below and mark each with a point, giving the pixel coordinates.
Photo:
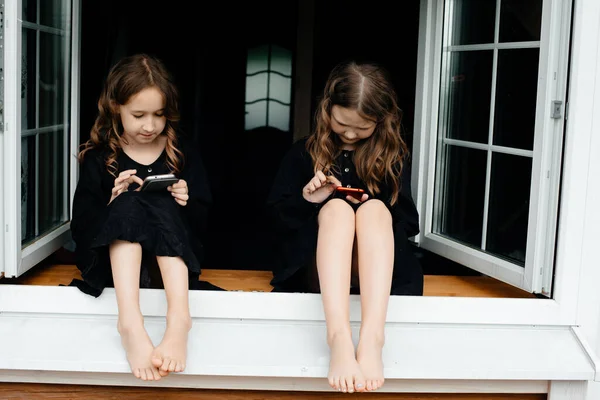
(367, 89)
(126, 78)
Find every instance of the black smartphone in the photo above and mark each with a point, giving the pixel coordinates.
(155, 183)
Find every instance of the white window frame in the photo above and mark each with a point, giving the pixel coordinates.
(561, 310)
(536, 276)
(18, 259)
(575, 292)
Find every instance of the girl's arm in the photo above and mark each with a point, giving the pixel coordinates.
(404, 211)
(286, 206)
(91, 199)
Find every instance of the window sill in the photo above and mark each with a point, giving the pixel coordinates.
(74, 340)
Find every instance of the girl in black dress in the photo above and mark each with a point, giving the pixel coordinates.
(120, 231)
(331, 241)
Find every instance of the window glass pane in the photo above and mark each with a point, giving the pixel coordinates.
(30, 10)
(281, 61)
(280, 88)
(52, 79)
(509, 206)
(256, 115)
(471, 21)
(520, 20)
(256, 87)
(28, 80)
(52, 180)
(54, 13)
(469, 94)
(516, 94)
(279, 116)
(28, 192)
(258, 60)
(460, 214)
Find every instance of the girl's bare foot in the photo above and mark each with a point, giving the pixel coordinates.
(368, 354)
(138, 347)
(344, 372)
(170, 355)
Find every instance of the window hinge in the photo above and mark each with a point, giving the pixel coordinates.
(557, 109)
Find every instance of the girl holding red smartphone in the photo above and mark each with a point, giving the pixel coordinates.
(335, 238)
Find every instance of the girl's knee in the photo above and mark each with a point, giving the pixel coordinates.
(374, 209)
(336, 209)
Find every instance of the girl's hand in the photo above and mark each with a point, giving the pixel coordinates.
(179, 191)
(320, 187)
(354, 200)
(123, 181)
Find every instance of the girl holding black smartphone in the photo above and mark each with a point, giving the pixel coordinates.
(121, 232)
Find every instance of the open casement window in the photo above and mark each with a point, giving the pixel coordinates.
(488, 135)
(38, 154)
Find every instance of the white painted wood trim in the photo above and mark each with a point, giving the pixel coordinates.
(571, 268)
(262, 383)
(11, 167)
(43, 246)
(593, 357)
(561, 390)
(73, 163)
(298, 349)
(486, 263)
(286, 306)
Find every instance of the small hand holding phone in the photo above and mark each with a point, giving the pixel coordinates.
(156, 183)
(356, 193)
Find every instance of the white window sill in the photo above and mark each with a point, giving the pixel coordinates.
(74, 340)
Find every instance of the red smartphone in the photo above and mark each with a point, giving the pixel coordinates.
(354, 192)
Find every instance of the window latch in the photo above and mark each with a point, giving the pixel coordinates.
(557, 109)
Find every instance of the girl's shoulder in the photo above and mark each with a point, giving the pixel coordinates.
(298, 148)
(96, 154)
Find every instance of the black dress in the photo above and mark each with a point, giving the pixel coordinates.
(153, 219)
(295, 221)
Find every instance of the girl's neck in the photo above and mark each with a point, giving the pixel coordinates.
(145, 153)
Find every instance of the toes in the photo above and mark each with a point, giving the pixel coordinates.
(172, 365)
(331, 382)
(163, 373)
(359, 385)
(369, 385)
(350, 385)
(343, 385)
(165, 365)
(136, 373)
(179, 367)
(143, 375)
(336, 384)
(156, 374)
(157, 361)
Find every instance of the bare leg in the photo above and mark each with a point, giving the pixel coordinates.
(334, 256)
(125, 259)
(170, 355)
(375, 239)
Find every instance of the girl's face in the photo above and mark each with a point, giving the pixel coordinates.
(350, 126)
(143, 116)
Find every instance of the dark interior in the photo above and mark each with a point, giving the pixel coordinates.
(205, 47)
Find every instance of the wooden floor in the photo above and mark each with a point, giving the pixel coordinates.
(43, 391)
(435, 285)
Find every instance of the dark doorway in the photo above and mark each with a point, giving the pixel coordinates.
(206, 50)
